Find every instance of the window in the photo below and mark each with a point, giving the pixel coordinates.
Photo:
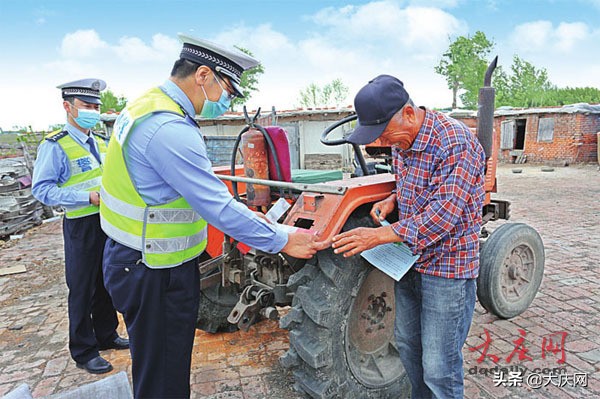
(546, 130)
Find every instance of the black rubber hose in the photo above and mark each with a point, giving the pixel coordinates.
(236, 145)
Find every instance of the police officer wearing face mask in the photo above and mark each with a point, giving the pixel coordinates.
(158, 194)
(67, 172)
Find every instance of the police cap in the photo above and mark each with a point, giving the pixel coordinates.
(87, 90)
(228, 62)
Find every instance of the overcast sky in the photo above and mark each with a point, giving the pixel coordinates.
(132, 44)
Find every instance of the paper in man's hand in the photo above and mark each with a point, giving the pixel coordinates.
(394, 259)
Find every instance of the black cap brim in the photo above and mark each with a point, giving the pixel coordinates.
(87, 99)
(233, 80)
(366, 134)
(237, 88)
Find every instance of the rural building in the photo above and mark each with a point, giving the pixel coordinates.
(566, 134)
(303, 126)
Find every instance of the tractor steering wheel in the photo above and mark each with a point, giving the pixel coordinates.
(357, 150)
(334, 126)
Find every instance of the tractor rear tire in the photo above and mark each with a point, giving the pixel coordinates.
(216, 303)
(341, 324)
(511, 269)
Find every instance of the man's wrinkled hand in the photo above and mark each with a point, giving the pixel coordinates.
(355, 241)
(384, 208)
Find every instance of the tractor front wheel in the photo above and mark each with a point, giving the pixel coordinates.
(341, 326)
(511, 269)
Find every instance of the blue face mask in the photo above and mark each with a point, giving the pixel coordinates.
(213, 109)
(87, 118)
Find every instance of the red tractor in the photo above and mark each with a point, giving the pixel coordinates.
(341, 310)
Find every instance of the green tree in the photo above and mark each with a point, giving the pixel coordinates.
(529, 86)
(464, 65)
(525, 86)
(331, 94)
(339, 92)
(110, 102)
(573, 95)
(310, 96)
(248, 81)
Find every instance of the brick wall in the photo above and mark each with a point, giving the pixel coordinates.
(588, 126)
(574, 140)
(323, 161)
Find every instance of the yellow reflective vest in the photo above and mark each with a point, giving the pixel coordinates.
(86, 171)
(167, 235)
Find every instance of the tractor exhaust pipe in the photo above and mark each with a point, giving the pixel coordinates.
(485, 111)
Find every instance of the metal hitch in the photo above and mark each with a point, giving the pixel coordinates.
(252, 301)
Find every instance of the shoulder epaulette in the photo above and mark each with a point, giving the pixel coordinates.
(103, 137)
(57, 136)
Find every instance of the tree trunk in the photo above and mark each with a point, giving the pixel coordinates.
(454, 91)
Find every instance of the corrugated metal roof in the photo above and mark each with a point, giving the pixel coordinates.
(112, 116)
(580, 108)
(583, 108)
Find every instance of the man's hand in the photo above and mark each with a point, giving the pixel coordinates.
(94, 198)
(384, 207)
(360, 239)
(304, 245)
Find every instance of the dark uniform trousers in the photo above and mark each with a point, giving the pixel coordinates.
(160, 308)
(92, 317)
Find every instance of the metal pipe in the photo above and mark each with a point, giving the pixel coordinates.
(315, 188)
(485, 111)
(487, 80)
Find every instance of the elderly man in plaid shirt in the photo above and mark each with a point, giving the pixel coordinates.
(439, 169)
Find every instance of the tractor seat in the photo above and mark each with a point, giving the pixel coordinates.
(282, 147)
(312, 176)
(306, 176)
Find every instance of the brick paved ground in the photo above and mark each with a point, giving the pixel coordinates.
(562, 205)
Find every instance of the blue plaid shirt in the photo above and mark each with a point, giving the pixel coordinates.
(440, 193)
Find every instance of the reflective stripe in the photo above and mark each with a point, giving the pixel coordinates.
(154, 245)
(120, 236)
(70, 215)
(122, 207)
(176, 244)
(177, 215)
(77, 208)
(83, 186)
(155, 215)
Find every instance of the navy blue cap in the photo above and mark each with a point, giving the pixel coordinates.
(87, 90)
(375, 104)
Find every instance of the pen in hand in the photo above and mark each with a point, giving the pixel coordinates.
(382, 221)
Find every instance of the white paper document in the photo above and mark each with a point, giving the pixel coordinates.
(277, 210)
(394, 259)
